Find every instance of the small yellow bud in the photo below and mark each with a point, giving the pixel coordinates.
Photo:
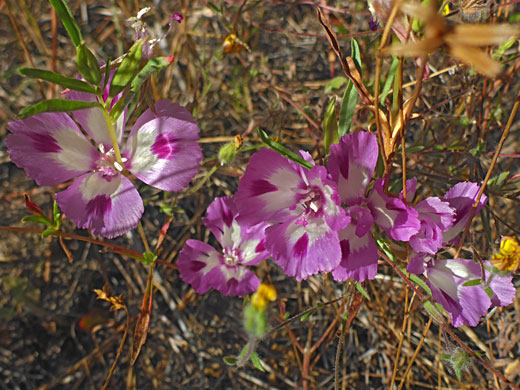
(266, 293)
(509, 257)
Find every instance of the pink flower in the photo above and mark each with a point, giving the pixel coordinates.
(351, 164)
(204, 268)
(454, 285)
(161, 150)
(303, 207)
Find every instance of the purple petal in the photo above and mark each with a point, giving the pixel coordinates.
(504, 291)
(436, 216)
(219, 219)
(109, 206)
(465, 304)
(359, 256)
(247, 243)
(163, 152)
(304, 251)
(392, 215)
(50, 147)
(351, 164)
(461, 197)
(411, 187)
(417, 264)
(270, 186)
(203, 268)
(163, 108)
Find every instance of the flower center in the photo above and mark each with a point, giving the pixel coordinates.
(107, 163)
(312, 205)
(231, 256)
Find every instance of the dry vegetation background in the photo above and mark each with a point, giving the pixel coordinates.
(54, 334)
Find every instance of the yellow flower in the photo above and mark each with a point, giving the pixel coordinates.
(509, 257)
(266, 293)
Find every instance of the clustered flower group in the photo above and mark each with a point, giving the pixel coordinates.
(310, 221)
(324, 219)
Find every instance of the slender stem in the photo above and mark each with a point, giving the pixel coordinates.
(490, 170)
(107, 381)
(113, 137)
(116, 248)
(143, 237)
(419, 346)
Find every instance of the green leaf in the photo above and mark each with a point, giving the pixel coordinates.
(151, 67)
(230, 360)
(346, 111)
(282, 150)
(306, 315)
(63, 11)
(56, 105)
(356, 54)
(48, 232)
(330, 125)
(214, 7)
(389, 80)
(64, 81)
(335, 83)
(149, 258)
(363, 292)
(256, 361)
(474, 282)
(417, 280)
(413, 149)
(385, 248)
(128, 69)
(37, 219)
(107, 74)
(56, 215)
(432, 311)
(88, 65)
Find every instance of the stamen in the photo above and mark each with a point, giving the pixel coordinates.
(118, 166)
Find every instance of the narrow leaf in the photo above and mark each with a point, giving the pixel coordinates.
(47, 232)
(330, 125)
(214, 7)
(282, 150)
(230, 361)
(64, 81)
(56, 105)
(389, 80)
(88, 65)
(417, 280)
(432, 311)
(37, 219)
(306, 315)
(364, 292)
(151, 67)
(128, 69)
(256, 361)
(335, 83)
(474, 282)
(346, 111)
(356, 54)
(63, 11)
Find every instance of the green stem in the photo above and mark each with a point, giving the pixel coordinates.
(113, 137)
